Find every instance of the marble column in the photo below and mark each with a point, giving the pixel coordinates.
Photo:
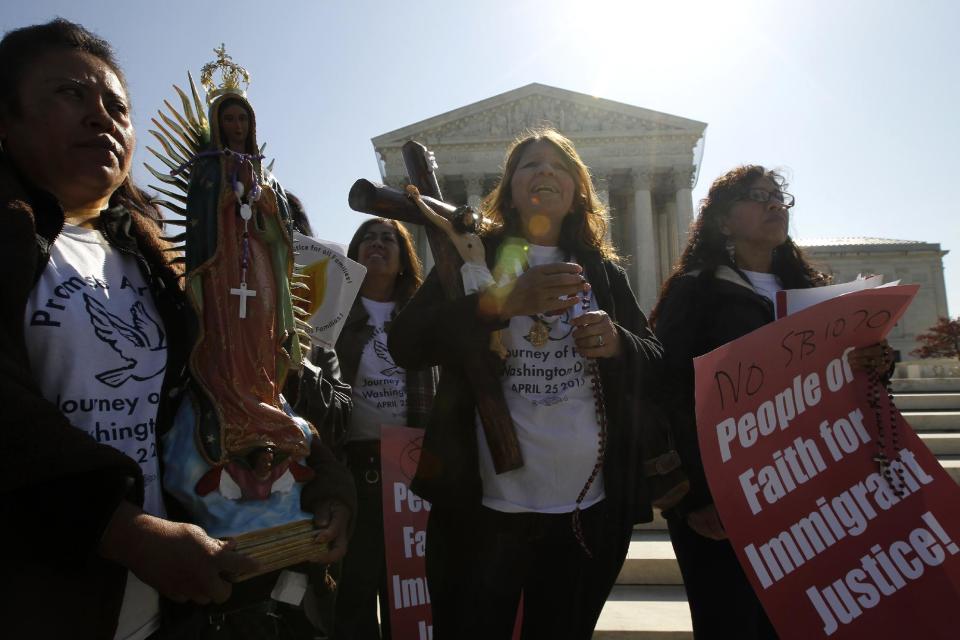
(602, 187)
(474, 185)
(643, 268)
(395, 182)
(682, 177)
(666, 238)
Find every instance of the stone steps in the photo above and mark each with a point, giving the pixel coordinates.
(942, 443)
(927, 401)
(925, 385)
(932, 420)
(645, 613)
(649, 603)
(952, 464)
(650, 560)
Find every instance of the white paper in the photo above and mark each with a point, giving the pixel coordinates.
(794, 300)
(290, 588)
(334, 282)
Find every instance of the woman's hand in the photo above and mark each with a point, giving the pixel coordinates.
(547, 288)
(468, 245)
(596, 336)
(875, 359)
(706, 522)
(331, 519)
(179, 560)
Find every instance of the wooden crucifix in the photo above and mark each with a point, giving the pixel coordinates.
(387, 202)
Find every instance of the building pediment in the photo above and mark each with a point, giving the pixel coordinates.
(862, 244)
(579, 116)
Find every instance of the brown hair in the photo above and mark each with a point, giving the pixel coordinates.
(298, 215)
(411, 272)
(583, 229)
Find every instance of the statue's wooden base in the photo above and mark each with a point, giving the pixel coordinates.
(279, 547)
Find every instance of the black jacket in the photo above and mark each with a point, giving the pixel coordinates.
(700, 312)
(59, 486)
(319, 394)
(432, 330)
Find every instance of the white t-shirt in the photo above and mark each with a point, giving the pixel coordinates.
(766, 284)
(550, 396)
(380, 389)
(98, 347)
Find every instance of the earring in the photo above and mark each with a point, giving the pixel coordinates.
(731, 251)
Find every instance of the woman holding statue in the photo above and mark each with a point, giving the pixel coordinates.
(549, 309)
(738, 256)
(93, 335)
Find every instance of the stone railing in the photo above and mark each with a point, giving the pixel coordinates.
(928, 368)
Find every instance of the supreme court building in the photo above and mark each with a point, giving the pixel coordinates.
(644, 164)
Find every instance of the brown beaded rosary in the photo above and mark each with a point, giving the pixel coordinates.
(593, 369)
(893, 475)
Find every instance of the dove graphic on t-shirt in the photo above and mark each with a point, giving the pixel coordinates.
(383, 353)
(130, 339)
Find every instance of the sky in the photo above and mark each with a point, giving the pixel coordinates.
(857, 101)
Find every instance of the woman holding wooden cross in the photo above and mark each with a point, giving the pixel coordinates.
(576, 362)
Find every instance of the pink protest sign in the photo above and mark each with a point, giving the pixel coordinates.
(791, 439)
(404, 534)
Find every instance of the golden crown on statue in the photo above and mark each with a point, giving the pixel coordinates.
(232, 74)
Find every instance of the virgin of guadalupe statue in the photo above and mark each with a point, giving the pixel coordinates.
(240, 280)
(235, 456)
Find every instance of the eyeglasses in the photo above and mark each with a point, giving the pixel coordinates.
(762, 195)
(383, 236)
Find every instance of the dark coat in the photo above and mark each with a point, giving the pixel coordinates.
(432, 330)
(319, 394)
(700, 312)
(60, 487)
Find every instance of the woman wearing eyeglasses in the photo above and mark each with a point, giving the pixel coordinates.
(738, 256)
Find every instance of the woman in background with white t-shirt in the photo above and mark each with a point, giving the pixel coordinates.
(383, 393)
(556, 319)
